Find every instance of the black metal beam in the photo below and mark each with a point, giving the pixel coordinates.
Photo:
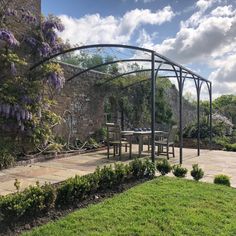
(180, 83)
(110, 63)
(116, 46)
(153, 103)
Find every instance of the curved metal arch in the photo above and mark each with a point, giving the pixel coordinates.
(180, 66)
(115, 46)
(110, 63)
(131, 72)
(90, 46)
(123, 74)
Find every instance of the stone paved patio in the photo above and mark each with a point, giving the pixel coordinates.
(212, 162)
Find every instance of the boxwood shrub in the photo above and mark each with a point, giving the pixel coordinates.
(163, 166)
(179, 171)
(197, 173)
(31, 202)
(36, 200)
(222, 179)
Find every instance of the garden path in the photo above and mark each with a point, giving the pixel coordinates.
(57, 170)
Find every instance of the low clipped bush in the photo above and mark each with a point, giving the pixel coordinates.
(179, 171)
(222, 179)
(150, 168)
(230, 147)
(197, 173)
(76, 189)
(31, 202)
(6, 159)
(137, 168)
(36, 200)
(163, 166)
(120, 173)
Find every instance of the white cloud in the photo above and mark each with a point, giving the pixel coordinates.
(204, 4)
(226, 71)
(96, 29)
(207, 37)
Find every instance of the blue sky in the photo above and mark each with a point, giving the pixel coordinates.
(199, 34)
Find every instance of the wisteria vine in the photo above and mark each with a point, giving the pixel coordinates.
(24, 108)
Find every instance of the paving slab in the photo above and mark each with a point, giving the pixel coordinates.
(57, 170)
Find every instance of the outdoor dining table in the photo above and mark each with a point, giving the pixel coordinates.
(140, 135)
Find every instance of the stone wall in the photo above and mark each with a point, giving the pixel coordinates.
(34, 6)
(189, 111)
(81, 104)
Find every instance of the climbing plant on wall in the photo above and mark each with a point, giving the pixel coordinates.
(26, 98)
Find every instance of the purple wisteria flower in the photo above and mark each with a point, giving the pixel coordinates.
(32, 42)
(44, 50)
(10, 12)
(56, 80)
(8, 37)
(16, 112)
(52, 24)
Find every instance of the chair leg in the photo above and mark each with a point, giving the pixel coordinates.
(114, 150)
(173, 150)
(108, 151)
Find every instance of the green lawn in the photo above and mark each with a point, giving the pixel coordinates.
(164, 206)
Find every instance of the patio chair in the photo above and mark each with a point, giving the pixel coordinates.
(166, 140)
(115, 139)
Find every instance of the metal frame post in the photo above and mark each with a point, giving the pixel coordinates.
(153, 94)
(180, 117)
(210, 94)
(198, 117)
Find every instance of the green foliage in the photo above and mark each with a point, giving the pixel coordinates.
(221, 140)
(6, 159)
(75, 189)
(191, 131)
(31, 202)
(179, 171)
(135, 100)
(36, 200)
(92, 143)
(106, 177)
(197, 173)
(17, 185)
(27, 96)
(120, 173)
(226, 105)
(222, 179)
(54, 147)
(100, 134)
(85, 60)
(230, 147)
(137, 168)
(163, 166)
(150, 168)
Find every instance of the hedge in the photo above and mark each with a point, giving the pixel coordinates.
(36, 200)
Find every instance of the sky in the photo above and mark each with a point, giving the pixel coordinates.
(199, 34)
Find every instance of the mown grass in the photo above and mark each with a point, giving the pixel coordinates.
(163, 206)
